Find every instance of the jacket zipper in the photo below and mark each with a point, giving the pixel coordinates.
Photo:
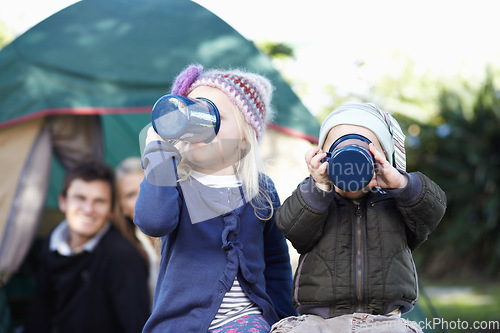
(359, 260)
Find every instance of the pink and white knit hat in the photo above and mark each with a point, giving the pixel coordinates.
(250, 92)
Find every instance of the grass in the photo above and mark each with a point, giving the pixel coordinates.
(460, 306)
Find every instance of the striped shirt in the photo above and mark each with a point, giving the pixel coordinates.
(234, 305)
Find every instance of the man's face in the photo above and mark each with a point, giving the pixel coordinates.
(87, 206)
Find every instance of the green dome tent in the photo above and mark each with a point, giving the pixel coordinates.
(81, 85)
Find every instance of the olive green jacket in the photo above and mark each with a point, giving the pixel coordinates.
(357, 257)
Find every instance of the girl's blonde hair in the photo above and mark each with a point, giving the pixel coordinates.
(249, 169)
(251, 94)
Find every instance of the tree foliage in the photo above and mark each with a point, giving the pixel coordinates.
(5, 36)
(462, 154)
(276, 50)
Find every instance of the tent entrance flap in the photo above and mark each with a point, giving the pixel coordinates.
(73, 139)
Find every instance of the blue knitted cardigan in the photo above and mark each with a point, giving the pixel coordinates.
(200, 259)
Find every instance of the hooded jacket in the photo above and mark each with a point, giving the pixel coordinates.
(357, 257)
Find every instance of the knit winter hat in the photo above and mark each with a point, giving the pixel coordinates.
(382, 124)
(250, 92)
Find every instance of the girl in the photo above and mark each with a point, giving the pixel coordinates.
(224, 266)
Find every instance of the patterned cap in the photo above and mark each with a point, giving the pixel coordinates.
(250, 92)
(381, 123)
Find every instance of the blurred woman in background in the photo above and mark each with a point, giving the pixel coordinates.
(129, 175)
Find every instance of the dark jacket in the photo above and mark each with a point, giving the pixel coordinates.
(100, 291)
(358, 257)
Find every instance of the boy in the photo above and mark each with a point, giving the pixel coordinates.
(356, 269)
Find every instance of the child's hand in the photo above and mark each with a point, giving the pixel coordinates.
(386, 176)
(152, 136)
(317, 169)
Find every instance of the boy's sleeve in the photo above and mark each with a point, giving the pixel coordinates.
(423, 204)
(302, 216)
(158, 203)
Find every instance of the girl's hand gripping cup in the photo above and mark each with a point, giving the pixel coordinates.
(181, 118)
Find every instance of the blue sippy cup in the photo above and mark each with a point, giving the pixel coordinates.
(181, 118)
